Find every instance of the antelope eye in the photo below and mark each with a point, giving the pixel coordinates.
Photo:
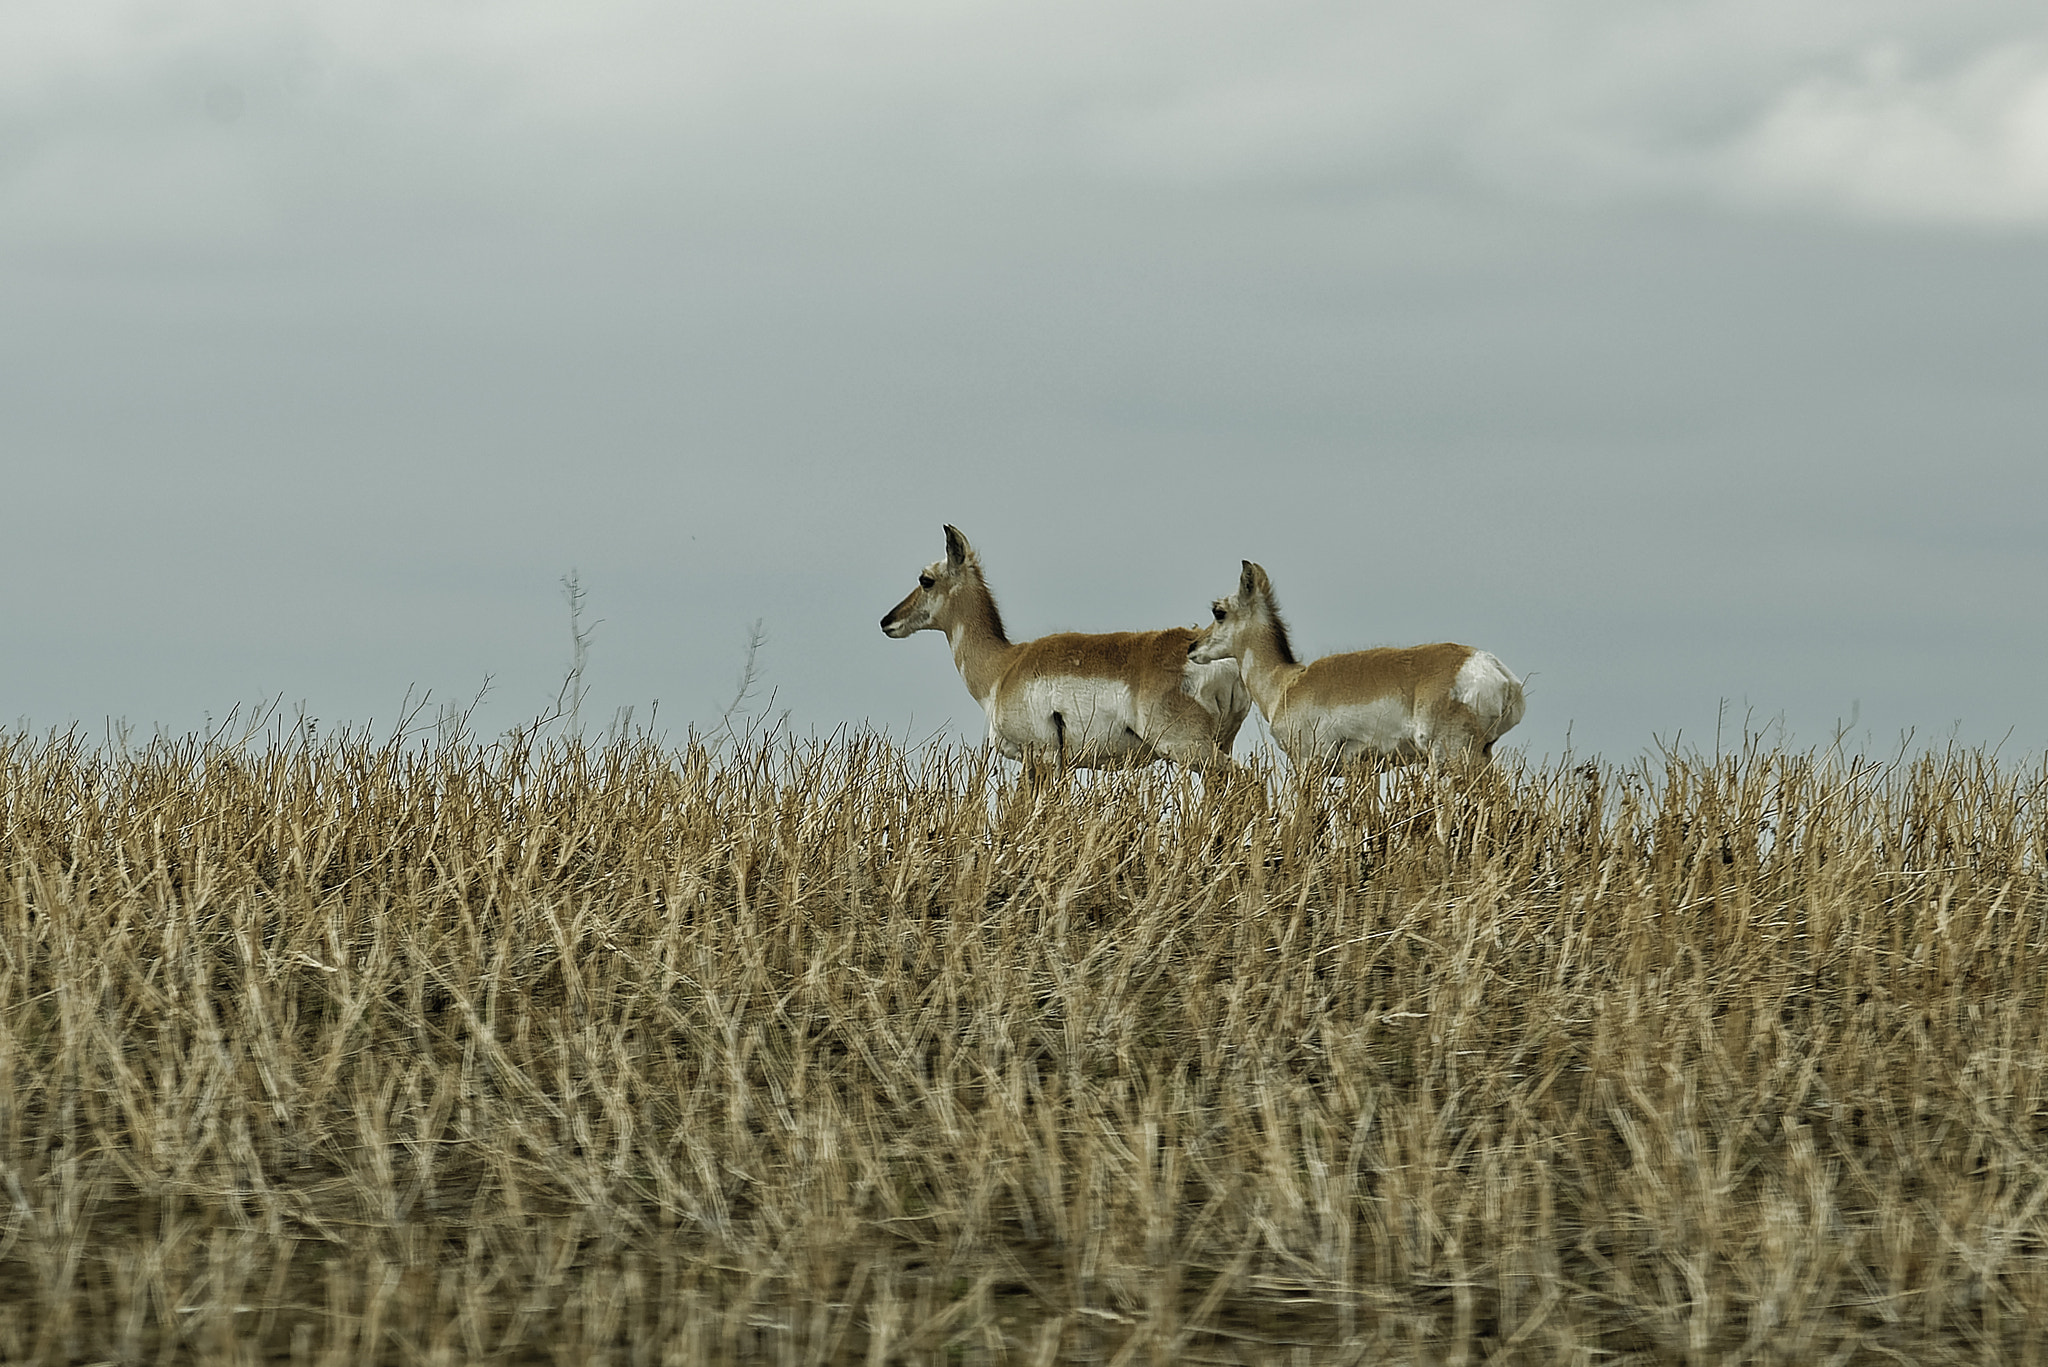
(925, 581)
(1218, 612)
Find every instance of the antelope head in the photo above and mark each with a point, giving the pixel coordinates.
(926, 609)
(1237, 618)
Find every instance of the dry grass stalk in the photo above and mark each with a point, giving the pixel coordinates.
(350, 1052)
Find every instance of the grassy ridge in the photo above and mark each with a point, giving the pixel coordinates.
(351, 1052)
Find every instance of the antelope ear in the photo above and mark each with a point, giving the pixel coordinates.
(957, 549)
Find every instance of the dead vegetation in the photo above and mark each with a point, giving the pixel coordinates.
(353, 1052)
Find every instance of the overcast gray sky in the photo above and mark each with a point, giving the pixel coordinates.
(1676, 354)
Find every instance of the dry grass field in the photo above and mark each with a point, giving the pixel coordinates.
(363, 1052)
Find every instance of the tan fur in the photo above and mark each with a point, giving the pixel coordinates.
(1083, 699)
(1144, 659)
(1419, 675)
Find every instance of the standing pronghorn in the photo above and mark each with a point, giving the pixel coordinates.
(1440, 701)
(1079, 699)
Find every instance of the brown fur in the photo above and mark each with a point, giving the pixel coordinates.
(1133, 656)
(1419, 675)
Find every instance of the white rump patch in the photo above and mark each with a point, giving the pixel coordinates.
(1491, 690)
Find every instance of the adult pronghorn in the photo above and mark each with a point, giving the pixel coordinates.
(1079, 699)
(1439, 701)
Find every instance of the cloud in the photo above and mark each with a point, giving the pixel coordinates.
(1734, 107)
(1969, 146)
(114, 117)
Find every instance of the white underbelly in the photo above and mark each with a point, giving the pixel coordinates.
(1383, 726)
(1090, 719)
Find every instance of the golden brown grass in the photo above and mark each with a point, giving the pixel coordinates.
(355, 1052)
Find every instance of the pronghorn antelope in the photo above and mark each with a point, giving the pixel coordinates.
(1078, 699)
(1441, 701)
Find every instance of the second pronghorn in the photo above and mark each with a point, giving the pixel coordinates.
(1422, 702)
(1086, 700)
